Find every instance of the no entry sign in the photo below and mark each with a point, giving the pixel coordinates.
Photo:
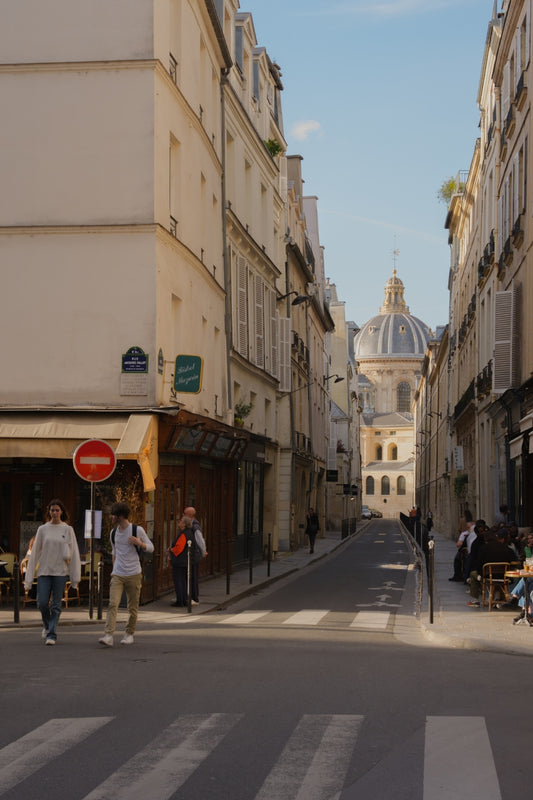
(94, 460)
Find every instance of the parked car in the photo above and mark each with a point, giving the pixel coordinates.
(375, 512)
(366, 513)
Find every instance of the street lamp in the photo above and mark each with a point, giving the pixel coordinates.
(300, 298)
(338, 378)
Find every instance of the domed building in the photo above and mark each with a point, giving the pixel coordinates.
(389, 349)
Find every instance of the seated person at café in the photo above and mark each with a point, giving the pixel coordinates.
(494, 549)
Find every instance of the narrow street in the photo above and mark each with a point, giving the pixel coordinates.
(302, 690)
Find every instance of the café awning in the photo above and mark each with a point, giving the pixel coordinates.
(54, 435)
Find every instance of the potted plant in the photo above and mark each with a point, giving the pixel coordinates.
(240, 412)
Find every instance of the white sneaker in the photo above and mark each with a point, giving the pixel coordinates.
(194, 602)
(106, 640)
(50, 641)
(44, 633)
(127, 639)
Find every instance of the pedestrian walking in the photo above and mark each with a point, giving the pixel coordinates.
(312, 527)
(126, 542)
(56, 557)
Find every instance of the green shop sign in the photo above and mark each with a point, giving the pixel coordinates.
(188, 374)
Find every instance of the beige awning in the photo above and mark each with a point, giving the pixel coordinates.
(46, 435)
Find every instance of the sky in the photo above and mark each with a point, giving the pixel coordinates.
(380, 100)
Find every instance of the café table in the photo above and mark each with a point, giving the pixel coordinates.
(527, 575)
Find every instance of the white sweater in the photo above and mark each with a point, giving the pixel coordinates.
(54, 552)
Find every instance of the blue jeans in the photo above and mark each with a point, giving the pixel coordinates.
(50, 586)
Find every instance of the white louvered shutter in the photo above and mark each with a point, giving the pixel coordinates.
(503, 373)
(242, 306)
(274, 334)
(284, 354)
(259, 321)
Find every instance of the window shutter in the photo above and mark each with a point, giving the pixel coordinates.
(500, 226)
(505, 90)
(255, 80)
(516, 190)
(526, 43)
(242, 307)
(284, 354)
(259, 321)
(504, 372)
(274, 333)
(239, 47)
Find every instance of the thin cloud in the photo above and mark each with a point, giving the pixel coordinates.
(391, 8)
(427, 237)
(302, 130)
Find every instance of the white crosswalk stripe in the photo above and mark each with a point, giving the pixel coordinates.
(308, 617)
(28, 754)
(371, 620)
(244, 618)
(166, 763)
(313, 764)
(458, 760)
(315, 760)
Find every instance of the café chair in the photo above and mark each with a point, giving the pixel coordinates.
(7, 579)
(493, 580)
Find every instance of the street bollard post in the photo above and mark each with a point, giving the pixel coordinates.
(16, 591)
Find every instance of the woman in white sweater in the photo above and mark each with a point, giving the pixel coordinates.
(55, 556)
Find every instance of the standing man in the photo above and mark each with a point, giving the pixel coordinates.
(127, 572)
(200, 542)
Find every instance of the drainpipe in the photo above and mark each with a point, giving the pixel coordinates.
(225, 256)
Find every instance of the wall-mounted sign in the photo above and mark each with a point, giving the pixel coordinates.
(458, 458)
(188, 374)
(135, 360)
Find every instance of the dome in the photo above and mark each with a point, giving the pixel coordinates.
(394, 331)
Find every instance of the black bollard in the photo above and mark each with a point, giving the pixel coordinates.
(228, 565)
(16, 591)
(269, 553)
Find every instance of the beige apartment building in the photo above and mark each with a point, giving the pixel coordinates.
(142, 252)
(489, 411)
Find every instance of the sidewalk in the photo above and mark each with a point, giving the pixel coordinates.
(455, 624)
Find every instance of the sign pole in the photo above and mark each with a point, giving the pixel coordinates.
(94, 460)
(91, 554)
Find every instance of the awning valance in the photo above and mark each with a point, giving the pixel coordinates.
(55, 435)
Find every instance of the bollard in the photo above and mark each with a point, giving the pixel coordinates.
(431, 572)
(189, 604)
(228, 565)
(251, 561)
(100, 588)
(16, 591)
(269, 553)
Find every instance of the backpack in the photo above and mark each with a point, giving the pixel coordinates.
(140, 551)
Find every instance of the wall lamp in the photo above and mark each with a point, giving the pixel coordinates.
(300, 298)
(338, 378)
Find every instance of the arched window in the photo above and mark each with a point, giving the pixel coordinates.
(393, 452)
(379, 453)
(403, 397)
(385, 485)
(370, 485)
(400, 485)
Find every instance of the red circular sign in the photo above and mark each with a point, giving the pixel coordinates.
(94, 460)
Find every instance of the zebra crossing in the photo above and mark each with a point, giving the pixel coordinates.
(312, 764)
(363, 620)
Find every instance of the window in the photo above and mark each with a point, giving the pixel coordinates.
(379, 453)
(370, 485)
(385, 485)
(393, 453)
(400, 485)
(403, 395)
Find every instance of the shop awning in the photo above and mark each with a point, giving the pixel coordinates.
(45, 435)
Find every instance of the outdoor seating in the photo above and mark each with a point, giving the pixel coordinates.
(8, 561)
(493, 580)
